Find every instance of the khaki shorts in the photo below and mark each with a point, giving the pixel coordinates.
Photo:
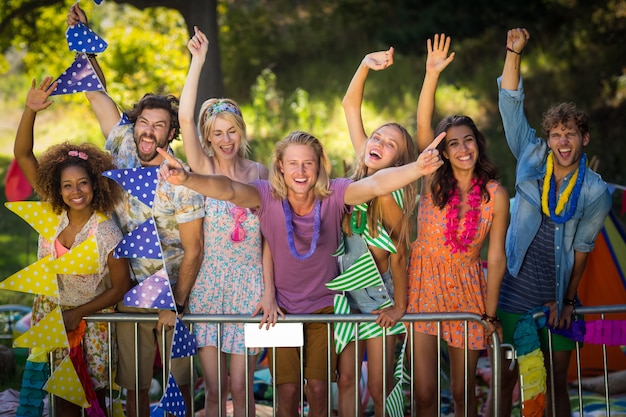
(315, 355)
(148, 338)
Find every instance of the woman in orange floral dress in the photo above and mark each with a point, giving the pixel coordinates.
(461, 205)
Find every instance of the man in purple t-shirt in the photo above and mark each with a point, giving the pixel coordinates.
(300, 210)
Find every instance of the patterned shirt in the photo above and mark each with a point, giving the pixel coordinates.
(172, 205)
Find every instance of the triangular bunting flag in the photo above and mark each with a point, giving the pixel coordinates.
(36, 278)
(362, 273)
(80, 76)
(140, 182)
(124, 120)
(80, 260)
(81, 38)
(143, 242)
(38, 215)
(64, 383)
(16, 186)
(49, 333)
(153, 292)
(184, 342)
(172, 400)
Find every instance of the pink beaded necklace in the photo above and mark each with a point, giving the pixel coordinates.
(461, 243)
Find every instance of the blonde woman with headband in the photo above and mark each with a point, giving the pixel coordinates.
(232, 279)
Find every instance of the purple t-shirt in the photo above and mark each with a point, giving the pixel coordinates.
(299, 284)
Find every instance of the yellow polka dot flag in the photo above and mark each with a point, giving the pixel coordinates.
(82, 259)
(36, 278)
(64, 383)
(38, 215)
(49, 333)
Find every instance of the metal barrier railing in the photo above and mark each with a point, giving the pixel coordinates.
(329, 319)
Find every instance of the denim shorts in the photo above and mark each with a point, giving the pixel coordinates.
(369, 299)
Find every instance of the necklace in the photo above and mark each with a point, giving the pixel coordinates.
(358, 221)
(455, 242)
(549, 205)
(316, 230)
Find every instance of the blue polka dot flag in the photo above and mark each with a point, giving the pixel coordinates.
(172, 400)
(153, 292)
(142, 242)
(140, 182)
(124, 120)
(184, 343)
(79, 77)
(81, 38)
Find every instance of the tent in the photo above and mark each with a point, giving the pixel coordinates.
(603, 283)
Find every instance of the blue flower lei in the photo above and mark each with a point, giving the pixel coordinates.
(316, 230)
(582, 164)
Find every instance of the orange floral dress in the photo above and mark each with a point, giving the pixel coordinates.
(444, 282)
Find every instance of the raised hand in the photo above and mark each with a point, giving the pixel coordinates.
(379, 60)
(516, 39)
(438, 58)
(198, 45)
(76, 15)
(38, 96)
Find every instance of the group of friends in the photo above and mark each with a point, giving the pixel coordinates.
(238, 237)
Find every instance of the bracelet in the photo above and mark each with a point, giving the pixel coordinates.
(91, 56)
(179, 309)
(490, 319)
(513, 50)
(569, 301)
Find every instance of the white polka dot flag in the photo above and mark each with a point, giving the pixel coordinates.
(153, 292)
(64, 383)
(80, 260)
(38, 215)
(81, 38)
(36, 278)
(142, 242)
(172, 400)
(49, 333)
(184, 343)
(140, 182)
(79, 77)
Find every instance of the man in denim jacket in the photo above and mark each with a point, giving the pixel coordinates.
(560, 207)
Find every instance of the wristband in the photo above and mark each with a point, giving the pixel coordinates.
(513, 50)
(569, 301)
(179, 309)
(490, 319)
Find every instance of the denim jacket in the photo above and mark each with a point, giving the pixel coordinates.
(578, 233)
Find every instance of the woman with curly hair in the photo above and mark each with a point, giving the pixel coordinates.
(68, 176)
(461, 205)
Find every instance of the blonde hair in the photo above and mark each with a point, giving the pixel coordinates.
(228, 110)
(406, 154)
(277, 180)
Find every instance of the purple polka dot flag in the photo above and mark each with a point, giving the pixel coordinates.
(184, 343)
(79, 77)
(140, 182)
(172, 400)
(81, 38)
(142, 242)
(153, 292)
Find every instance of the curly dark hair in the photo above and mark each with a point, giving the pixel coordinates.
(155, 101)
(444, 182)
(562, 113)
(106, 192)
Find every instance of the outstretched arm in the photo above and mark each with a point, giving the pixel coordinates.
(197, 159)
(38, 98)
(516, 40)
(354, 95)
(103, 106)
(438, 59)
(219, 187)
(388, 180)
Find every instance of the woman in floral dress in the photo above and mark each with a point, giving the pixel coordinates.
(461, 205)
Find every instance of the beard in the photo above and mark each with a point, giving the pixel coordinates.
(152, 154)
